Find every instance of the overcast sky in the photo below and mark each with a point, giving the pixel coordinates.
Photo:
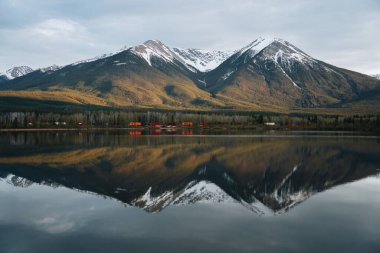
(39, 33)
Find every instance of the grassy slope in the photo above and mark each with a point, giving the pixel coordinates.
(69, 100)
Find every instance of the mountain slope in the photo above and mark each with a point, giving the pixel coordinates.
(266, 75)
(273, 71)
(150, 74)
(3, 79)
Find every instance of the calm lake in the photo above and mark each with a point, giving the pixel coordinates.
(131, 191)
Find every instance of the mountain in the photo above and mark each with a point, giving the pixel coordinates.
(203, 191)
(147, 75)
(20, 71)
(18, 181)
(266, 75)
(3, 79)
(271, 176)
(377, 76)
(15, 72)
(273, 71)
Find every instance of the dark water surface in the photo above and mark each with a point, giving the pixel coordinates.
(126, 192)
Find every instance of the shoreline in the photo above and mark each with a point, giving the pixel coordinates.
(183, 129)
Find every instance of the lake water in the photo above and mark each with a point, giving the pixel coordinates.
(120, 191)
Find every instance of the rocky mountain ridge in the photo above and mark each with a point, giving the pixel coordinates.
(268, 74)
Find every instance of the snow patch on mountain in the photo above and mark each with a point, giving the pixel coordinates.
(154, 204)
(18, 181)
(103, 56)
(255, 47)
(293, 199)
(16, 72)
(204, 192)
(193, 59)
(376, 76)
(288, 53)
(202, 60)
(285, 196)
(228, 73)
(50, 69)
(209, 193)
(92, 59)
(287, 76)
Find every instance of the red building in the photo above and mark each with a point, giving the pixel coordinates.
(171, 125)
(187, 124)
(202, 124)
(135, 124)
(187, 132)
(155, 124)
(155, 131)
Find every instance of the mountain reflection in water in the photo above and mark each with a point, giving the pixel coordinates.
(264, 174)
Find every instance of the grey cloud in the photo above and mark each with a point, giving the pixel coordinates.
(343, 32)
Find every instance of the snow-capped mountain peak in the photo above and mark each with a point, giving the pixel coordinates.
(194, 192)
(256, 46)
(50, 68)
(202, 192)
(276, 49)
(194, 59)
(205, 192)
(17, 72)
(154, 48)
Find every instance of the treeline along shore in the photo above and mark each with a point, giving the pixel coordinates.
(152, 119)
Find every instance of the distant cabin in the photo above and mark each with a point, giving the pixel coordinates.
(135, 124)
(171, 125)
(187, 124)
(155, 131)
(155, 124)
(269, 123)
